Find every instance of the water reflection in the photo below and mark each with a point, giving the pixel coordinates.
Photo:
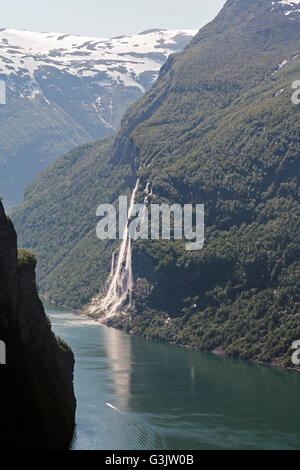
(118, 351)
(136, 394)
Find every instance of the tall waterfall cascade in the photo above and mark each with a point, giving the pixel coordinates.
(118, 298)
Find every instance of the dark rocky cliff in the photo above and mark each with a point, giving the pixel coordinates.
(37, 402)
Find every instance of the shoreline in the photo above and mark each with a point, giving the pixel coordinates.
(218, 351)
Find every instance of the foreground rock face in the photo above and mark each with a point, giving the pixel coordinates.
(37, 402)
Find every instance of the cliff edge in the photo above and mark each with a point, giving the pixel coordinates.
(37, 402)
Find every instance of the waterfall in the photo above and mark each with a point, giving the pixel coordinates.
(119, 294)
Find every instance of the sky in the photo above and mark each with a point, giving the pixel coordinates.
(101, 18)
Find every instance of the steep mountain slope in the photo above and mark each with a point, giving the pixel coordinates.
(37, 403)
(66, 90)
(218, 127)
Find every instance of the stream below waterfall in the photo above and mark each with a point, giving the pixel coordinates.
(136, 394)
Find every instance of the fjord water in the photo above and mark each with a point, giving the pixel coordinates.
(136, 394)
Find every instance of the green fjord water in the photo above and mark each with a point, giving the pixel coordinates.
(136, 394)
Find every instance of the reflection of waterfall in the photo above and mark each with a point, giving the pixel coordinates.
(119, 294)
(118, 350)
(123, 419)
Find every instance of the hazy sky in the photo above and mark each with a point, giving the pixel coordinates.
(107, 18)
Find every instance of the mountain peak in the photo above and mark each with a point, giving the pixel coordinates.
(67, 90)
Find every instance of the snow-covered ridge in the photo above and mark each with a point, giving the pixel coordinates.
(64, 90)
(124, 57)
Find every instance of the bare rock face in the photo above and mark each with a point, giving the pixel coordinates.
(37, 402)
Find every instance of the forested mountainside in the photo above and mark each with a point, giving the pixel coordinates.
(37, 402)
(218, 127)
(62, 91)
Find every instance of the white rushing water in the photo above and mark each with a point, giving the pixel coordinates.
(119, 294)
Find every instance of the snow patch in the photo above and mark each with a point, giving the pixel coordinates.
(289, 7)
(121, 59)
